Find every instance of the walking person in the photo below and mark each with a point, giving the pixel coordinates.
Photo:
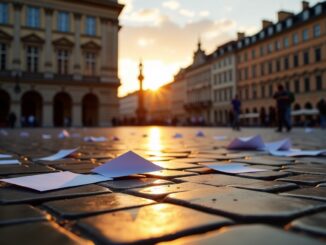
(322, 112)
(12, 119)
(236, 108)
(283, 104)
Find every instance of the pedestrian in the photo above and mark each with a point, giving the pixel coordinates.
(322, 112)
(12, 119)
(283, 104)
(236, 108)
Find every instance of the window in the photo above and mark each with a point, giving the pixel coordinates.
(262, 51)
(239, 75)
(4, 10)
(246, 73)
(279, 27)
(317, 54)
(306, 57)
(318, 9)
(295, 60)
(286, 63)
(230, 75)
(289, 23)
(262, 35)
(277, 45)
(32, 59)
(278, 65)
(316, 30)
(297, 86)
(33, 17)
(270, 88)
(239, 44)
(253, 53)
(63, 21)
(3, 56)
(253, 39)
(305, 35)
(287, 85)
(247, 41)
(307, 84)
(90, 64)
(262, 91)
(63, 61)
(295, 38)
(286, 42)
(305, 15)
(319, 85)
(270, 31)
(262, 69)
(270, 48)
(270, 67)
(90, 26)
(253, 71)
(245, 56)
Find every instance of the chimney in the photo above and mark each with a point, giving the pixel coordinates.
(266, 23)
(305, 5)
(282, 15)
(240, 35)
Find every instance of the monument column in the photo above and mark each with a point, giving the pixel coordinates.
(141, 111)
(48, 59)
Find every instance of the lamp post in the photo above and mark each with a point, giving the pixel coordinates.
(141, 111)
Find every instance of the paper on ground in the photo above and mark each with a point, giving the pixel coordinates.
(126, 164)
(46, 136)
(247, 143)
(220, 137)
(200, 134)
(177, 136)
(234, 168)
(53, 181)
(5, 156)
(9, 161)
(297, 153)
(59, 155)
(281, 145)
(94, 139)
(63, 134)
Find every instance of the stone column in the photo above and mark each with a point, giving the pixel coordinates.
(48, 114)
(48, 55)
(16, 43)
(77, 114)
(77, 49)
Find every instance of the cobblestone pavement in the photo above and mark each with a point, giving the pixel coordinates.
(186, 203)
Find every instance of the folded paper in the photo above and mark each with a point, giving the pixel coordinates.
(233, 168)
(59, 155)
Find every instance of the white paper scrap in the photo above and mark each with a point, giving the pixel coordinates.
(281, 145)
(94, 139)
(126, 164)
(59, 155)
(24, 134)
(63, 134)
(5, 156)
(46, 136)
(200, 134)
(298, 153)
(9, 161)
(247, 143)
(220, 137)
(53, 181)
(177, 136)
(234, 168)
(4, 132)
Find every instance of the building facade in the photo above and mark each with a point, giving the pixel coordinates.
(59, 61)
(178, 98)
(198, 86)
(291, 52)
(223, 68)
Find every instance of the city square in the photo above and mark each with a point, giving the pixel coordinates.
(162, 122)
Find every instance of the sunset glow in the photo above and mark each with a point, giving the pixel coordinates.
(164, 33)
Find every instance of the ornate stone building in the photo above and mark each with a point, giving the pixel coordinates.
(59, 61)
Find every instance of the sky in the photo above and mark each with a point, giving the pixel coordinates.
(164, 33)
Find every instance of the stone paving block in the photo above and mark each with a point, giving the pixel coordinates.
(315, 223)
(201, 170)
(267, 186)
(10, 194)
(169, 174)
(84, 206)
(134, 183)
(154, 159)
(305, 179)
(15, 214)
(317, 193)
(161, 191)
(247, 235)
(264, 161)
(245, 204)
(24, 169)
(173, 165)
(61, 161)
(267, 175)
(38, 233)
(306, 169)
(149, 224)
(193, 160)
